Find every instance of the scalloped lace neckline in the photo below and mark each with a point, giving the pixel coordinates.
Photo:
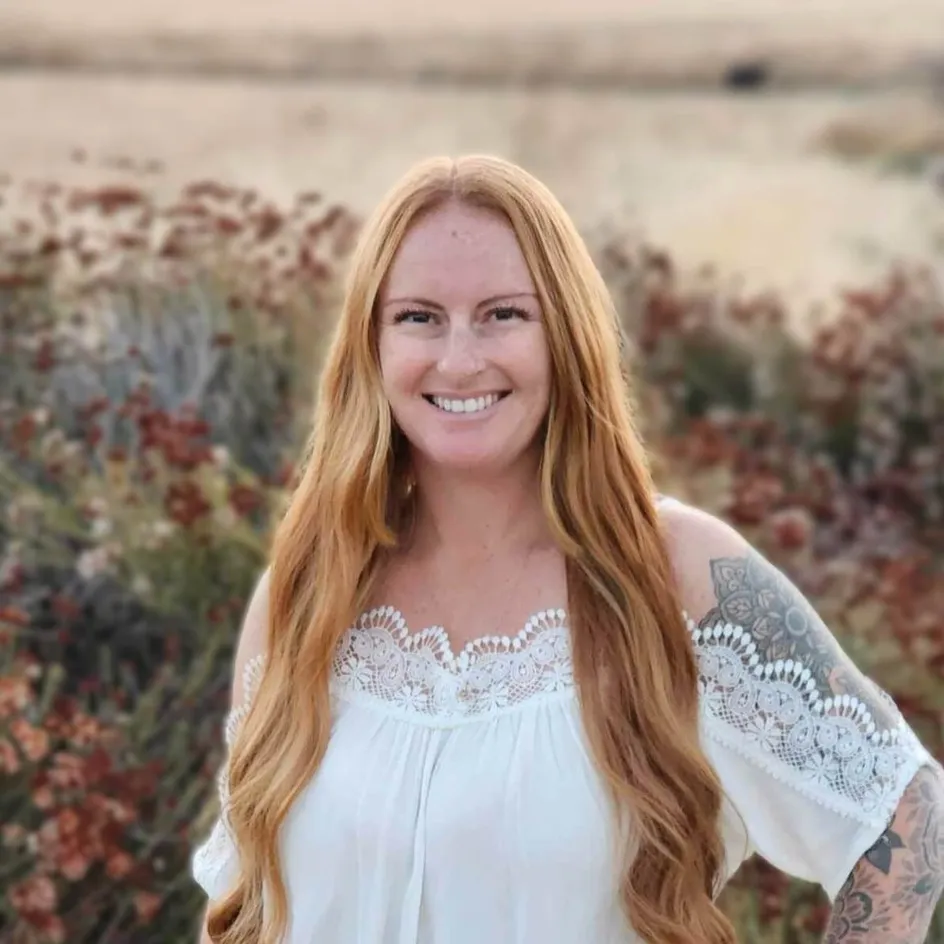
(435, 640)
(416, 675)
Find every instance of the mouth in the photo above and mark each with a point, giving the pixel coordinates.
(466, 405)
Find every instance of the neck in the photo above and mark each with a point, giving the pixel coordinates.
(470, 517)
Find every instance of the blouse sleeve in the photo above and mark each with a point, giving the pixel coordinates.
(812, 755)
(215, 862)
(814, 779)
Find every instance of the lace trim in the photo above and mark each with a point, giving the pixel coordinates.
(380, 661)
(252, 676)
(773, 714)
(213, 860)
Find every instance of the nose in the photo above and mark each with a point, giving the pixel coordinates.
(461, 354)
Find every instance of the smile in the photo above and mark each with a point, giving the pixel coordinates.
(467, 405)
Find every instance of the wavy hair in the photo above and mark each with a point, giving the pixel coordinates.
(634, 666)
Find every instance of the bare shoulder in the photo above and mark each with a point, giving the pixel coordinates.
(253, 635)
(723, 579)
(697, 541)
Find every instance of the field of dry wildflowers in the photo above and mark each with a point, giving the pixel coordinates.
(156, 367)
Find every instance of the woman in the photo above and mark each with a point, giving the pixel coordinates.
(670, 705)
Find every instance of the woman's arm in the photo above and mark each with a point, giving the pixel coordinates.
(216, 861)
(892, 892)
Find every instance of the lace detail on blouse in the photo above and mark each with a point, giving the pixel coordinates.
(252, 676)
(773, 714)
(829, 750)
(417, 675)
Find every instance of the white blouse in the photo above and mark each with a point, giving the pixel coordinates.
(458, 803)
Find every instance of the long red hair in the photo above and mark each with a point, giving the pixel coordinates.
(634, 665)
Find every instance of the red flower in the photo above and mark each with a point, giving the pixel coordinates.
(185, 503)
(24, 429)
(65, 607)
(14, 615)
(245, 500)
(792, 528)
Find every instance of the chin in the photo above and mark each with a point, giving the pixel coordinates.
(465, 463)
(473, 462)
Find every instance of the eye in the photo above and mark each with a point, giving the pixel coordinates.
(508, 313)
(412, 316)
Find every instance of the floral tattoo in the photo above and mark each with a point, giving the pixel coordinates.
(891, 894)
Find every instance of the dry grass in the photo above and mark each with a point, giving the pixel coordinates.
(905, 139)
(644, 55)
(716, 179)
(678, 42)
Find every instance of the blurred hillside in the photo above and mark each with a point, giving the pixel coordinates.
(824, 173)
(674, 41)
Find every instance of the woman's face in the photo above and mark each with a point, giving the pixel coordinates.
(463, 353)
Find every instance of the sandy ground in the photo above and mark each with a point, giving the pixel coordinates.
(881, 18)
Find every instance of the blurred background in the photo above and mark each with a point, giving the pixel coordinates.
(762, 184)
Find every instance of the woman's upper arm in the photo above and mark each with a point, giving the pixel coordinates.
(724, 580)
(814, 756)
(215, 861)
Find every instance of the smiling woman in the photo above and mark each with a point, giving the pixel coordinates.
(493, 687)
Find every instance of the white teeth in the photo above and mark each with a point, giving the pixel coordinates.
(472, 405)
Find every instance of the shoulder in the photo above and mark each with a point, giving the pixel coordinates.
(705, 553)
(724, 581)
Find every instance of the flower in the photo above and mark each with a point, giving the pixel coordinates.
(244, 500)
(411, 697)
(51, 928)
(12, 834)
(33, 741)
(791, 528)
(185, 503)
(14, 615)
(43, 798)
(35, 895)
(75, 864)
(101, 527)
(766, 732)
(9, 762)
(92, 563)
(119, 864)
(146, 905)
(67, 772)
(355, 673)
(21, 511)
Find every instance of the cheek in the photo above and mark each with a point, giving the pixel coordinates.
(530, 361)
(401, 365)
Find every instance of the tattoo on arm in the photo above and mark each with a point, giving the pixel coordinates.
(750, 592)
(892, 892)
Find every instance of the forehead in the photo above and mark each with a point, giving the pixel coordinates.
(457, 248)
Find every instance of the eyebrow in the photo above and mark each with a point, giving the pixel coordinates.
(427, 303)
